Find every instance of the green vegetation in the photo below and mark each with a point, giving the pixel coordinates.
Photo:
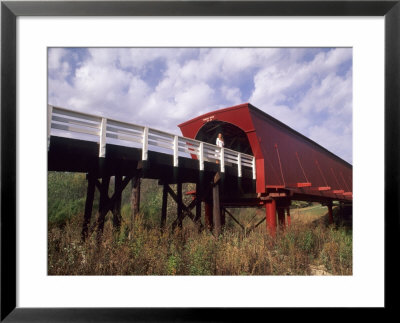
(308, 247)
(66, 196)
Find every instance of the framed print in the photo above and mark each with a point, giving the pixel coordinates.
(35, 287)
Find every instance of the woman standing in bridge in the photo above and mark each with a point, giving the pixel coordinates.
(220, 142)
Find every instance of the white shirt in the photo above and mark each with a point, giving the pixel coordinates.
(220, 143)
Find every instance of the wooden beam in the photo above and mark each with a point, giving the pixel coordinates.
(270, 216)
(261, 221)
(186, 209)
(208, 215)
(88, 206)
(288, 220)
(179, 203)
(216, 211)
(111, 201)
(217, 178)
(116, 208)
(281, 218)
(222, 217)
(330, 213)
(106, 204)
(135, 200)
(198, 203)
(103, 205)
(164, 206)
(233, 218)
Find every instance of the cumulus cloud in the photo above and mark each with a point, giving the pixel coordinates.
(310, 89)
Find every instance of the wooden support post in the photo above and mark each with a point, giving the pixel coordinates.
(330, 213)
(270, 216)
(88, 206)
(201, 191)
(289, 221)
(135, 199)
(117, 202)
(281, 218)
(208, 207)
(222, 217)
(216, 210)
(164, 206)
(341, 210)
(103, 205)
(179, 207)
(198, 202)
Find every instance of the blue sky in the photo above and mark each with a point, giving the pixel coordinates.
(309, 89)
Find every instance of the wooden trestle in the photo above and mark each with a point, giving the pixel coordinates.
(224, 177)
(106, 202)
(211, 193)
(218, 191)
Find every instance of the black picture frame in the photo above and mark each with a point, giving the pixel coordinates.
(10, 10)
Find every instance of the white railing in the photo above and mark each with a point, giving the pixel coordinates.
(67, 123)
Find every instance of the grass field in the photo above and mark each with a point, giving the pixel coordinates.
(309, 247)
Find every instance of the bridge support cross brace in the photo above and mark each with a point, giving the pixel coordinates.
(182, 209)
(106, 203)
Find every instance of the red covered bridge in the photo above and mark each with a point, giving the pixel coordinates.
(289, 166)
(264, 164)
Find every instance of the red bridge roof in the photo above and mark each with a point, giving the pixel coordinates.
(285, 159)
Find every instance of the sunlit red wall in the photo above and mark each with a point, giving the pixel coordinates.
(269, 139)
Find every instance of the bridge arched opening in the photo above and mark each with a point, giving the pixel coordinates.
(234, 137)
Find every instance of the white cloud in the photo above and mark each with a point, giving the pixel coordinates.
(162, 87)
(55, 56)
(310, 97)
(232, 95)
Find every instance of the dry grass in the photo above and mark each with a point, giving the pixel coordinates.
(308, 247)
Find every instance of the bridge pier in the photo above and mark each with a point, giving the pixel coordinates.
(289, 222)
(330, 213)
(270, 216)
(88, 205)
(341, 210)
(223, 217)
(116, 210)
(106, 203)
(208, 207)
(281, 218)
(103, 209)
(216, 211)
(283, 207)
(179, 204)
(164, 207)
(135, 200)
(217, 223)
(199, 194)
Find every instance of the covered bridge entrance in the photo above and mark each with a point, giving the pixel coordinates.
(289, 166)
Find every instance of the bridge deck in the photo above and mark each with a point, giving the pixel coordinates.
(73, 155)
(104, 147)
